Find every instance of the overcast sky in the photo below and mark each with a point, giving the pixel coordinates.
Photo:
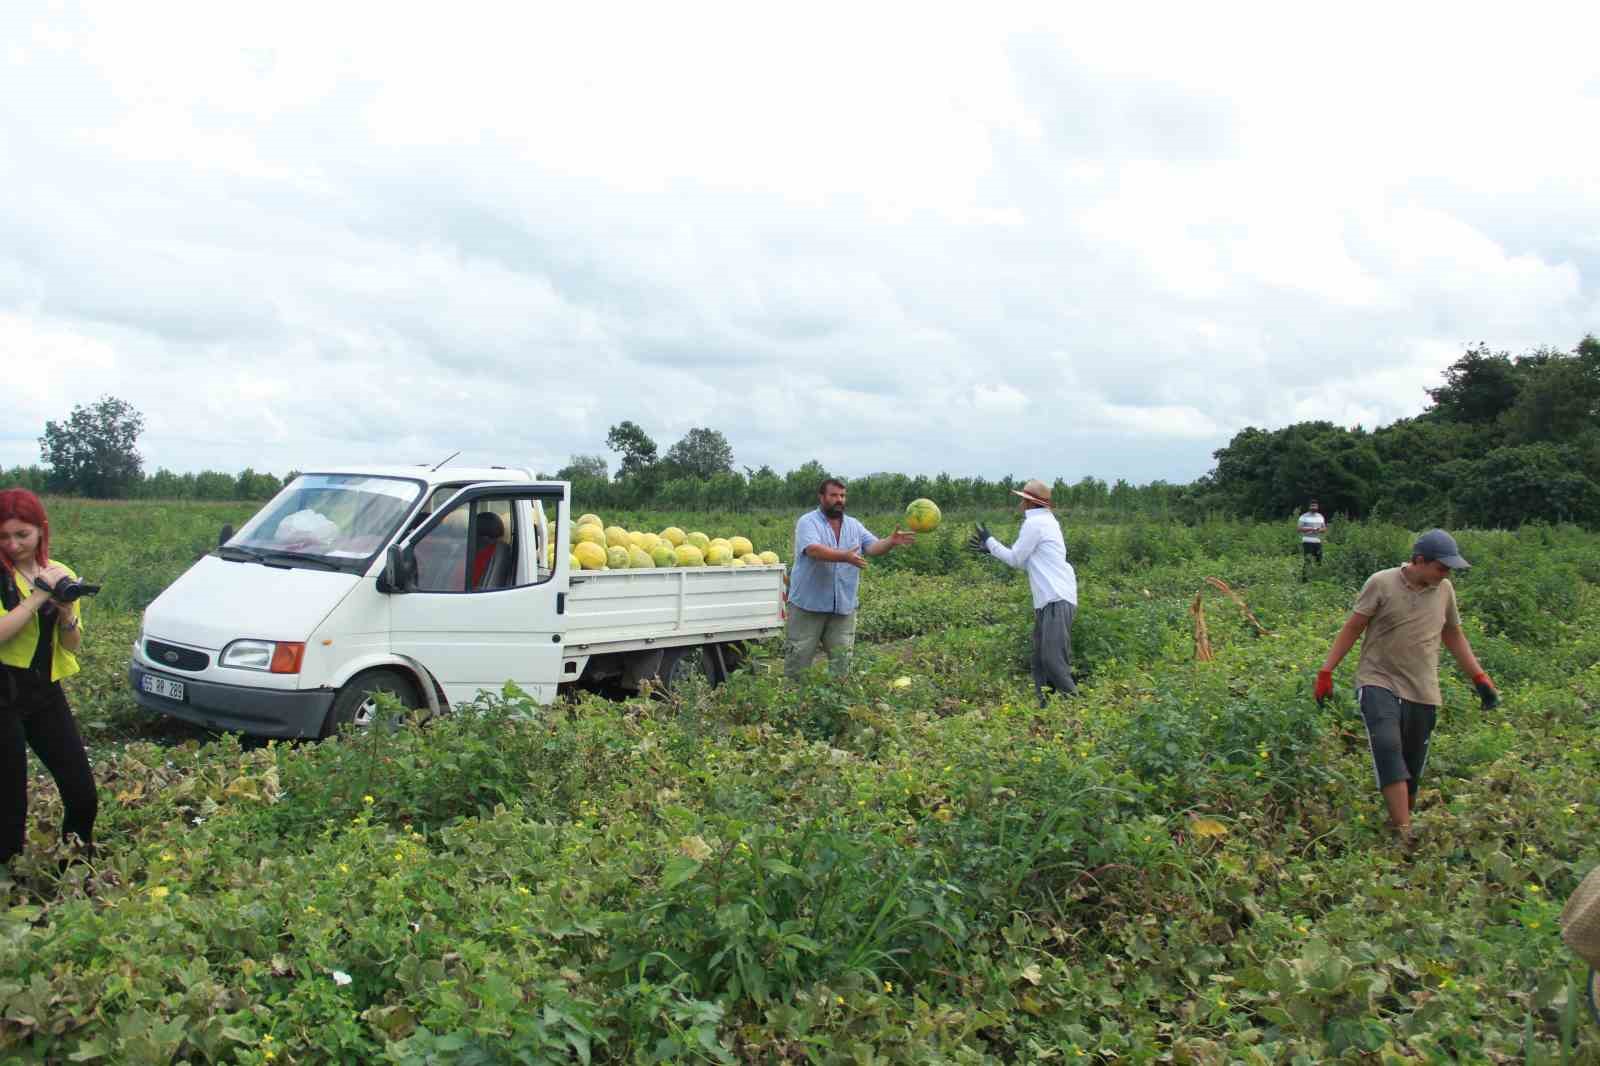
(1005, 240)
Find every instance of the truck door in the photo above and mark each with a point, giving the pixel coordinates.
(473, 598)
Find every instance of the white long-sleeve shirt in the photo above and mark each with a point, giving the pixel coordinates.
(1043, 554)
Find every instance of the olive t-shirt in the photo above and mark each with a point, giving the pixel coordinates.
(1400, 648)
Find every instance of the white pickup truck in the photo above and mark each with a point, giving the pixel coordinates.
(431, 585)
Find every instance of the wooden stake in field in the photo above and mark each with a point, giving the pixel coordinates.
(1202, 641)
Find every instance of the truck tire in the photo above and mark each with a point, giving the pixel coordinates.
(734, 654)
(680, 665)
(356, 706)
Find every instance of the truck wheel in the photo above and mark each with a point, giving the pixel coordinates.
(734, 654)
(356, 704)
(680, 665)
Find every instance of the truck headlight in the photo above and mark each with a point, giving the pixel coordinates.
(269, 656)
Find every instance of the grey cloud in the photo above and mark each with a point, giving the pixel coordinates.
(1088, 114)
(423, 298)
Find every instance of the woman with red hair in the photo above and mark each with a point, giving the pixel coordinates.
(38, 638)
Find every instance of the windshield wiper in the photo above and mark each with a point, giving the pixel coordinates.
(300, 557)
(237, 555)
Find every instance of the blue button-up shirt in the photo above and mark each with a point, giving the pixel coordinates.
(826, 587)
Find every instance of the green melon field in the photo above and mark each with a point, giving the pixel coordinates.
(1185, 864)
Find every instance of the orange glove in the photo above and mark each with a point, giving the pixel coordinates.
(1324, 687)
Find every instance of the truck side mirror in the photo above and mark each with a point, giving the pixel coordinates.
(399, 570)
(225, 534)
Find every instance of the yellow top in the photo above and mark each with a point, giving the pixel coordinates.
(18, 651)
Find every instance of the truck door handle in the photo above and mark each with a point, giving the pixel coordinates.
(561, 603)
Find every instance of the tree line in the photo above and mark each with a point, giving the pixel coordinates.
(1505, 440)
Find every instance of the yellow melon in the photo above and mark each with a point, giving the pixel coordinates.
(922, 516)
(672, 535)
(590, 555)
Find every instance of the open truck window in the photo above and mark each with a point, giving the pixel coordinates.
(485, 544)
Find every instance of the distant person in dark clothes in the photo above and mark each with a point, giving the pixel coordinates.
(39, 638)
(1401, 617)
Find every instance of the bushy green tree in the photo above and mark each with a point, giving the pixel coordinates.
(580, 467)
(94, 452)
(638, 450)
(214, 485)
(1479, 387)
(1271, 473)
(253, 486)
(702, 453)
(1525, 483)
(33, 478)
(800, 484)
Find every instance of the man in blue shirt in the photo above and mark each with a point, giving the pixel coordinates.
(830, 550)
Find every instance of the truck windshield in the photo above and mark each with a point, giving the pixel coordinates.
(323, 520)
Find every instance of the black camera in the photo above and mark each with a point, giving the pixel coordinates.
(69, 589)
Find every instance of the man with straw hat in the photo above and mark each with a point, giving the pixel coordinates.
(1040, 551)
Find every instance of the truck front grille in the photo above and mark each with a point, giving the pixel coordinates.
(173, 657)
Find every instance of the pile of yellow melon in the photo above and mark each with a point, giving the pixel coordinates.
(597, 546)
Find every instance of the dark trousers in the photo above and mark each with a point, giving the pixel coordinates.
(1311, 550)
(1052, 648)
(1398, 731)
(40, 719)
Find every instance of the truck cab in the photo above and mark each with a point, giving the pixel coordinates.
(429, 585)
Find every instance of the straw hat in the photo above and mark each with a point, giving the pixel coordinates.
(1035, 491)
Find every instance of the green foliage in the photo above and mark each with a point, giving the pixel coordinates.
(702, 453)
(1479, 387)
(1507, 441)
(911, 865)
(1267, 474)
(584, 468)
(94, 452)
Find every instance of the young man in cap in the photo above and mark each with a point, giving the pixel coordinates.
(830, 551)
(1043, 554)
(1405, 612)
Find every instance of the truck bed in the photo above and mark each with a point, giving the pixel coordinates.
(619, 610)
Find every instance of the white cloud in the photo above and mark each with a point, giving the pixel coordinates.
(934, 241)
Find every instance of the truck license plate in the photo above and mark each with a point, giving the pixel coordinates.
(160, 686)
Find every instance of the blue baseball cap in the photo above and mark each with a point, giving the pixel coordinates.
(1438, 546)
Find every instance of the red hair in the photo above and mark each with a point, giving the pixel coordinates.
(24, 506)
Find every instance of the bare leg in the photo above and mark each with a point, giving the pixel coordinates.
(1398, 799)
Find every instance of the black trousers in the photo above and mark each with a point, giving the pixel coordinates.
(40, 719)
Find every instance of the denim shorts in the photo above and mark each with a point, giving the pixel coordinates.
(1398, 731)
